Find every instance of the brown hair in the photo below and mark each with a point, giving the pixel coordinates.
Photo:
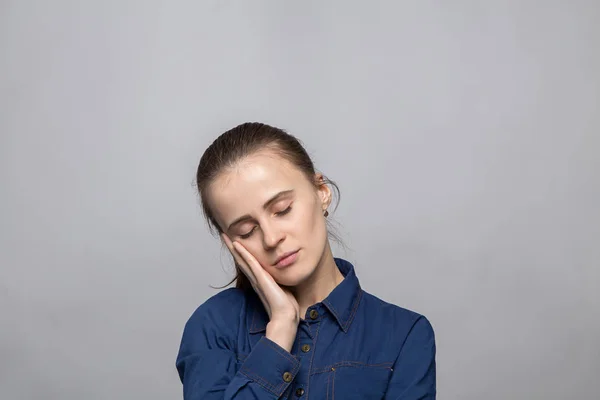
(235, 144)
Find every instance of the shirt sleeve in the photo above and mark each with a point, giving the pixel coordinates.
(209, 367)
(414, 376)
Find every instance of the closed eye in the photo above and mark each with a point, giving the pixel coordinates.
(279, 214)
(247, 235)
(287, 210)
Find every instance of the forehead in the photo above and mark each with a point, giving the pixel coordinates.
(252, 181)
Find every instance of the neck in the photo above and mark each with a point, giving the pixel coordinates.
(322, 282)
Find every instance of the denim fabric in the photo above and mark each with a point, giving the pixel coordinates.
(351, 345)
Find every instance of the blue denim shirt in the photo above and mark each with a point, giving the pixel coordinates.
(351, 345)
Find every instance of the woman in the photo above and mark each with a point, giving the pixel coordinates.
(297, 325)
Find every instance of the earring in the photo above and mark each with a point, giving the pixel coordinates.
(326, 213)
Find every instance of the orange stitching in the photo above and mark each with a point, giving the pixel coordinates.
(350, 364)
(333, 386)
(283, 353)
(351, 317)
(312, 357)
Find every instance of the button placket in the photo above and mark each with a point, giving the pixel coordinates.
(303, 350)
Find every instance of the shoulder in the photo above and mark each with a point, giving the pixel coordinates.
(226, 298)
(220, 310)
(213, 325)
(402, 321)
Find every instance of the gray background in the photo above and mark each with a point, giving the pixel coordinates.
(464, 136)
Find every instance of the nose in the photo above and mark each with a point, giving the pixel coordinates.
(272, 235)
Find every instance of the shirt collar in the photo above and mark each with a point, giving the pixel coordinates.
(342, 302)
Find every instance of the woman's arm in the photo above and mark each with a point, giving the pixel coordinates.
(414, 371)
(208, 366)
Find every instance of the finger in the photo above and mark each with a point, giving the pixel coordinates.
(248, 258)
(264, 284)
(245, 260)
(263, 278)
(239, 260)
(256, 288)
(242, 265)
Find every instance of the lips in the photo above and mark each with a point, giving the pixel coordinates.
(285, 255)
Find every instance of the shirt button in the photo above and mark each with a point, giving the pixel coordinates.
(299, 392)
(287, 377)
(306, 348)
(314, 314)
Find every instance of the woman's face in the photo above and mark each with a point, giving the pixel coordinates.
(270, 207)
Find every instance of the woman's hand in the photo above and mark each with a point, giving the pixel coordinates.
(281, 305)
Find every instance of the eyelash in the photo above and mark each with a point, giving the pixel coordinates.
(279, 214)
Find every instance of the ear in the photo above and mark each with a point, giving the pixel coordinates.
(323, 191)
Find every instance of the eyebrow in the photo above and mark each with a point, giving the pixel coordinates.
(265, 206)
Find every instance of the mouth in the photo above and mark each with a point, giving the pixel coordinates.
(286, 259)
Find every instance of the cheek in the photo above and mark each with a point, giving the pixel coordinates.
(315, 225)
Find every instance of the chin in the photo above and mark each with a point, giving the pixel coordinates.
(293, 275)
(289, 282)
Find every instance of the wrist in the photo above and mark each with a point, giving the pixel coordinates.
(282, 332)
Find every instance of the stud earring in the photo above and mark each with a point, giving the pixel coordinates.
(326, 213)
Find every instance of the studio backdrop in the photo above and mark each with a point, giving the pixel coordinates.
(464, 136)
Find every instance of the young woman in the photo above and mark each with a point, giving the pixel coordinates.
(297, 325)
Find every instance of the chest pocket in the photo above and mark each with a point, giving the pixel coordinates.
(354, 381)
